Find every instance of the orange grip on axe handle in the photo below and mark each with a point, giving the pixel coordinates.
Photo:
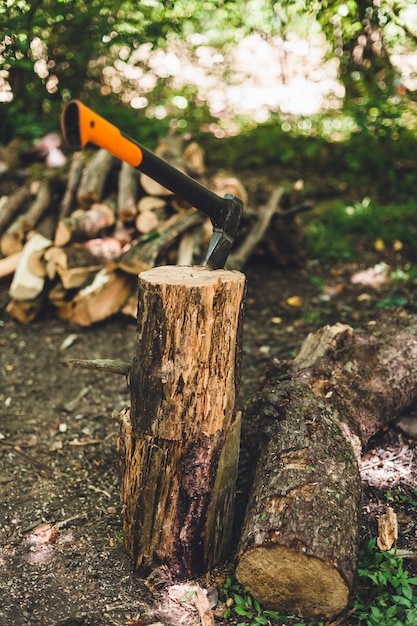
(81, 126)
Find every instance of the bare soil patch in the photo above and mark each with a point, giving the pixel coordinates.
(61, 554)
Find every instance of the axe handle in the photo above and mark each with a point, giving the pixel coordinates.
(82, 126)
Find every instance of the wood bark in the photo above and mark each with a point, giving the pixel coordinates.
(179, 443)
(94, 178)
(14, 238)
(127, 196)
(240, 257)
(74, 179)
(143, 255)
(75, 264)
(306, 426)
(12, 206)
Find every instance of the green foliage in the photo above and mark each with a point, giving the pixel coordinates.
(336, 230)
(240, 603)
(397, 495)
(385, 594)
(53, 51)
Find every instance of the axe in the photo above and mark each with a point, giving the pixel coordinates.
(82, 126)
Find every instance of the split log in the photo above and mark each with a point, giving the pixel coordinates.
(127, 193)
(25, 284)
(47, 225)
(102, 298)
(307, 425)
(179, 443)
(94, 178)
(83, 225)
(77, 264)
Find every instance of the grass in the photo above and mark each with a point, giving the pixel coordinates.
(343, 230)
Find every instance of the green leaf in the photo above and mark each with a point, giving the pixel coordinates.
(240, 601)
(240, 610)
(402, 601)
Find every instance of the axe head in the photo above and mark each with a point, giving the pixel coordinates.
(225, 227)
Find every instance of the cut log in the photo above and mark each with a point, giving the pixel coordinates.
(9, 264)
(25, 311)
(146, 222)
(193, 156)
(14, 237)
(179, 444)
(38, 208)
(83, 225)
(74, 178)
(299, 543)
(238, 259)
(226, 184)
(127, 194)
(152, 187)
(143, 255)
(47, 225)
(94, 178)
(12, 206)
(75, 265)
(151, 203)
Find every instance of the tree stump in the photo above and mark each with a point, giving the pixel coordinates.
(306, 426)
(179, 444)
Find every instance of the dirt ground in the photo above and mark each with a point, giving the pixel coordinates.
(62, 560)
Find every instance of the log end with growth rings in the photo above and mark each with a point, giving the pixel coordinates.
(292, 582)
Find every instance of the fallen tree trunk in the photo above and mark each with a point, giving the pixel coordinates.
(307, 425)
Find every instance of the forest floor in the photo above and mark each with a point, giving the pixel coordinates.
(62, 560)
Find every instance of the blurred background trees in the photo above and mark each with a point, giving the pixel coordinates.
(330, 70)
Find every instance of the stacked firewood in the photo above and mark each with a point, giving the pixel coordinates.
(79, 246)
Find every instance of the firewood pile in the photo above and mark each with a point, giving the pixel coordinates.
(74, 238)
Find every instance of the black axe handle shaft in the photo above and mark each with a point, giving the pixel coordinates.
(82, 126)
